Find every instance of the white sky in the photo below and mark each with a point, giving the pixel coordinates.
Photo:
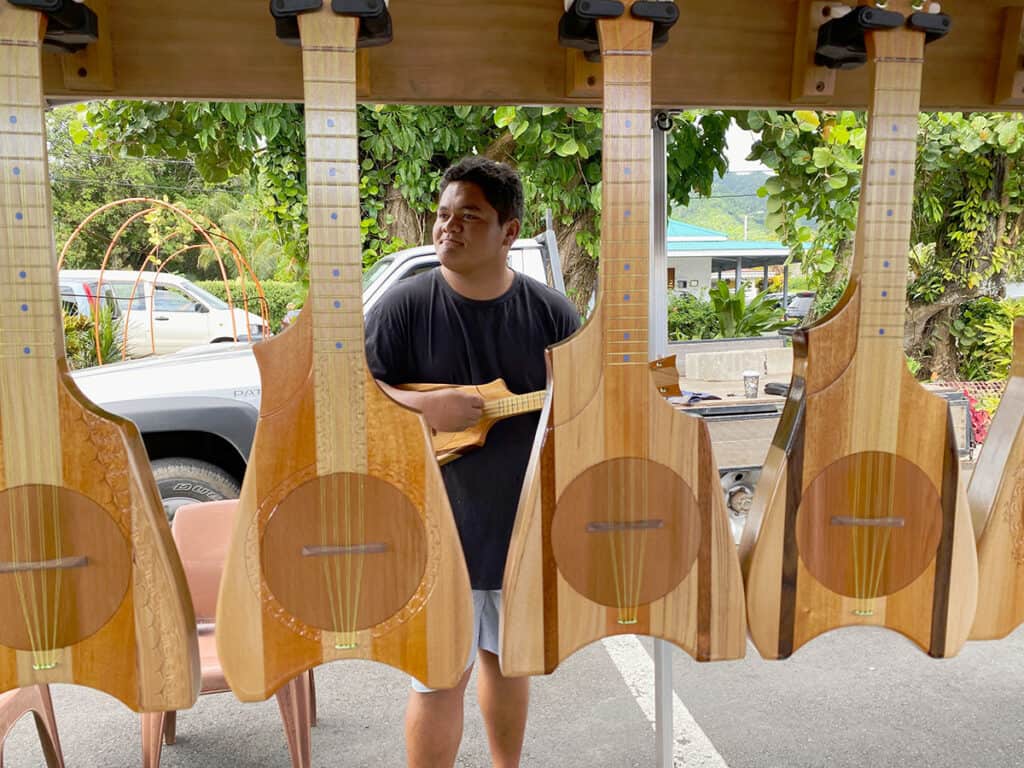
(739, 142)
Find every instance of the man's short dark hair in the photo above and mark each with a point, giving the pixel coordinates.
(499, 183)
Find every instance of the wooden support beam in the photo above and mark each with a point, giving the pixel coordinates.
(92, 70)
(1010, 77)
(811, 83)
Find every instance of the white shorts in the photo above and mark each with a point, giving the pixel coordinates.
(486, 613)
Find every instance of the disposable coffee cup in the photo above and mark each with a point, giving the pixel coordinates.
(750, 380)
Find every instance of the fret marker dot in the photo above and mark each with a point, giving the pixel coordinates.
(895, 128)
(24, 307)
(337, 305)
(339, 345)
(892, 171)
(885, 294)
(627, 171)
(330, 122)
(625, 358)
(23, 274)
(27, 350)
(19, 216)
(889, 212)
(334, 216)
(626, 336)
(13, 119)
(625, 297)
(627, 214)
(17, 171)
(332, 172)
(885, 264)
(629, 123)
(881, 331)
(336, 272)
(626, 267)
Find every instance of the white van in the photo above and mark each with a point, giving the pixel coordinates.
(164, 312)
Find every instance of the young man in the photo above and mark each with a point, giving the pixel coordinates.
(471, 321)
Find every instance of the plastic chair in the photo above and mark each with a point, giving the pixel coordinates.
(35, 699)
(202, 533)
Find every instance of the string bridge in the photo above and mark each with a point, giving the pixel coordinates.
(60, 564)
(633, 525)
(869, 522)
(375, 548)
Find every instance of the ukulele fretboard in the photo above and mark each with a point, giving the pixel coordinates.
(625, 215)
(28, 293)
(883, 228)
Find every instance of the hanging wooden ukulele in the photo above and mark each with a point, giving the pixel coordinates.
(996, 496)
(345, 545)
(91, 588)
(859, 517)
(621, 526)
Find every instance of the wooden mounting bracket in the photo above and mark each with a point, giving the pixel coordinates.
(1010, 78)
(92, 68)
(363, 89)
(810, 82)
(583, 79)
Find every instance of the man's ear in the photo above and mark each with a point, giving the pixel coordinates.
(511, 232)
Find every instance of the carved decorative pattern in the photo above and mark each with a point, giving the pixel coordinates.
(1013, 513)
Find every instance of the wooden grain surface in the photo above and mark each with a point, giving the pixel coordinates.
(75, 481)
(996, 496)
(736, 53)
(621, 526)
(860, 516)
(345, 546)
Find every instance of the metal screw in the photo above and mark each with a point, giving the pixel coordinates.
(819, 86)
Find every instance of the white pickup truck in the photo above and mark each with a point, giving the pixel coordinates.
(197, 408)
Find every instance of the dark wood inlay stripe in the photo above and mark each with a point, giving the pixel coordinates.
(794, 491)
(944, 556)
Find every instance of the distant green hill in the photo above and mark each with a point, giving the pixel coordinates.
(731, 199)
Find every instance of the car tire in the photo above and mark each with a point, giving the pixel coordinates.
(190, 481)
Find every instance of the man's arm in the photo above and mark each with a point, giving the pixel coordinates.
(445, 410)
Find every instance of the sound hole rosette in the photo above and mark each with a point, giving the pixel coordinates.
(868, 525)
(625, 533)
(342, 553)
(65, 568)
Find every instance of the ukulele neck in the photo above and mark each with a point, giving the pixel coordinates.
(515, 405)
(886, 204)
(31, 331)
(625, 217)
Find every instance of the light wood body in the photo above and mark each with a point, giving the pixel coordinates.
(607, 438)
(858, 433)
(324, 420)
(996, 497)
(730, 53)
(125, 610)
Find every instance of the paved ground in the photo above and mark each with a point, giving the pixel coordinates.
(849, 699)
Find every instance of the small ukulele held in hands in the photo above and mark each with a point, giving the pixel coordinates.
(500, 403)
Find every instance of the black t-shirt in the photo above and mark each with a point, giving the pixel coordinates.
(422, 331)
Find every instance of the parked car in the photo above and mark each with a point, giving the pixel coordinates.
(800, 304)
(164, 312)
(197, 408)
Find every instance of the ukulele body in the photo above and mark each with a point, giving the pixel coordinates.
(835, 453)
(611, 451)
(415, 609)
(996, 497)
(126, 625)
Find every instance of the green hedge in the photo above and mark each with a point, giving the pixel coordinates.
(278, 294)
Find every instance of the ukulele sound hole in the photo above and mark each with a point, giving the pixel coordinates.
(344, 552)
(869, 525)
(625, 533)
(65, 567)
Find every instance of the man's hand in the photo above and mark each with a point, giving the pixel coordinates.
(451, 410)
